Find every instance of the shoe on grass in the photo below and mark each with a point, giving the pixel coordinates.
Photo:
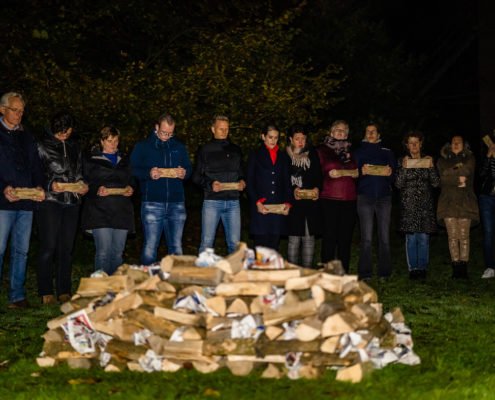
(48, 299)
(489, 273)
(18, 305)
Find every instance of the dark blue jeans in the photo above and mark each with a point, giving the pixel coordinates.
(487, 214)
(229, 212)
(109, 244)
(417, 250)
(158, 218)
(17, 226)
(367, 208)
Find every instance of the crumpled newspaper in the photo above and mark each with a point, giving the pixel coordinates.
(290, 329)
(140, 337)
(246, 328)
(82, 335)
(293, 364)
(267, 258)
(99, 274)
(178, 334)
(195, 302)
(207, 258)
(151, 362)
(275, 299)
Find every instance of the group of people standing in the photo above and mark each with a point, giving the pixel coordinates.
(301, 191)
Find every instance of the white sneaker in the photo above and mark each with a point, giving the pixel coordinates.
(489, 273)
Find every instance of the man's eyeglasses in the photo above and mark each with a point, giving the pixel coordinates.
(165, 133)
(15, 110)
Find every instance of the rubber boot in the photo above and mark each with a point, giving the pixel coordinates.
(463, 273)
(456, 270)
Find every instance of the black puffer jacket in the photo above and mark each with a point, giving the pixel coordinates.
(487, 175)
(115, 212)
(62, 162)
(218, 160)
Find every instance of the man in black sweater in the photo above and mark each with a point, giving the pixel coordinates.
(220, 173)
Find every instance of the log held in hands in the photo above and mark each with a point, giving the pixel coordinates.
(307, 194)
(116, 191)
(28, 193)
(168, 172)
(229, 186)
(275, 208)
(71, 187)
(378, 170)
(418, 163)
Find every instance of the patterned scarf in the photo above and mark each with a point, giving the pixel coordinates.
(340, 147)
(301, 159)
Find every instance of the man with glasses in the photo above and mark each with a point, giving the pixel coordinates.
(161, 163)
(20, 167)
(219, 172)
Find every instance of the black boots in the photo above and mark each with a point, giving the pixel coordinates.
(459, 270)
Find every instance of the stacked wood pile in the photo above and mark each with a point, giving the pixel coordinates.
(293, 321)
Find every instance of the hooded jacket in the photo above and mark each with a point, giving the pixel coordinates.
(62, 162)
(19, 165)
(153, 152)
(455, 201)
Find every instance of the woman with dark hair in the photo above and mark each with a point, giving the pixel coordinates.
(58, 215)
(338, 194)
(457, 206)
(108, 211)
(304, 216)
(268, 183)
(415, 182)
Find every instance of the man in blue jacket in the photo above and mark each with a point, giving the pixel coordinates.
(374, 189)
(20, 167)
(161, 163)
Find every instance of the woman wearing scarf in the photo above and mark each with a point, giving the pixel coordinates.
(304, 217)
(268, 182)
(338, 195)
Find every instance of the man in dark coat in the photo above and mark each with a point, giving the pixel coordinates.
(219, 162)
(19, 168)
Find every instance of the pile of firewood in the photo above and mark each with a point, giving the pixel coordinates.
(293, 321)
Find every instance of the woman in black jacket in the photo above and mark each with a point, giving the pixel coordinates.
(268, 182)
(108, 211)
(305, 216)
(58, 215)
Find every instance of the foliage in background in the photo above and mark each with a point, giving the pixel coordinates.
(120, 62)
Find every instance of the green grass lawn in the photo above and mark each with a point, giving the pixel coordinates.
(452, 324)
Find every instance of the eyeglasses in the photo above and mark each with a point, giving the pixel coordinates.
(15, 110)
(165, 133)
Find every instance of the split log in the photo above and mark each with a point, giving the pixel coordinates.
(91, 287)
(172, 261)
(217, 304)
(243, 289)
(168, 173)
(355, 373)
(238, 306)
(205, 367)
(273, 332)
(119, 328)
(301, 283)
(318, 295)
(191, 333)
(366, 315)
(289, 312)
(358, 292)
(125, 350)
(116, 307)
(240, 368)
(157, 299)
(276, 358)
(45, 362)
(272, 372)
(309, 329)
(330, 345)
(309, 371)
(159, 326)
(180, 317)
(207, 276)
(236, 259)
(164, 286)
(171, 366)
(275, 277)
(329, 308)
(54, 335)
(337, 324)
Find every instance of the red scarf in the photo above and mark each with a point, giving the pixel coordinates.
(273, 153)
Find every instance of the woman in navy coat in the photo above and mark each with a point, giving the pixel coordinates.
(268, 182)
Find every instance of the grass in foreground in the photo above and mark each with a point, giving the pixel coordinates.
(452, 324)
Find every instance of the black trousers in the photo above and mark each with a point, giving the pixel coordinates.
(339, 219)
(57, 227)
